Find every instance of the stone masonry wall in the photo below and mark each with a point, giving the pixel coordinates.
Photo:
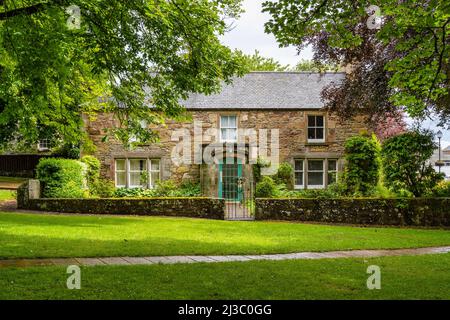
(292, 126)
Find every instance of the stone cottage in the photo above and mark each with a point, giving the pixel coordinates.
(275, 114)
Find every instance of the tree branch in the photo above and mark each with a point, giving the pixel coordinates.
(28, 10)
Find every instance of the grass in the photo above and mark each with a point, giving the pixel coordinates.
(40, 236)
(414, 277)
(7, 195)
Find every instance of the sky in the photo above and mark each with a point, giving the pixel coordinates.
(248, 35)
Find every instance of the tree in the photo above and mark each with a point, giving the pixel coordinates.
(315, 66)
(390, 125)
(398, 60)
(54, 66)
(256, 62)
(362, 164)
(405, 163)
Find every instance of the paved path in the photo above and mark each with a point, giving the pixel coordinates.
(213, 259)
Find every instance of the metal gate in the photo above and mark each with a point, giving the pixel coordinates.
(237, 191)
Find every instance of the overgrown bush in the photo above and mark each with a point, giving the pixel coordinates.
(362, 164)
(61, 178)
(266, 188)
(167, 188)
(103, 188)
(442, 189)
(285, 175)
(405, 163)
(92, 170)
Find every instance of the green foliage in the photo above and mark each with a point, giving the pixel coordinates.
(410, 47)
(315, 66)
(51, 75)
(92, 170)
(362, 164)
(61, 178)
(166, 188)
(256, 62)
(67, 151)
(285, 175)
(405, 163)
(103, 188)
(266, 188)
(260, 163)
(442, 189)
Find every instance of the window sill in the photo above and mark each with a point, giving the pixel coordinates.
(316, 143)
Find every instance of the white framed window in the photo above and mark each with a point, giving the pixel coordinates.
(299, 174)
(228, 129)
(121, 173)
(316, 128)
(137, 173)
(332, 171)
(316, 174)
(154, 169)
(44, 144)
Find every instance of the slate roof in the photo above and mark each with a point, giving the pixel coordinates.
(268, 90)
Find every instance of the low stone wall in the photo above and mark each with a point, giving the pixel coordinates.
(413, 212)
(176, 207)
(28, 199)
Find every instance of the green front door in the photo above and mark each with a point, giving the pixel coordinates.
(229, 175)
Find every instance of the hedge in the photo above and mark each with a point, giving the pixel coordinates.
(183, 207)
(61, 178)
(404, 211)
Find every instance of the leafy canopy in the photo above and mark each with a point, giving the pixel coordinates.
(256, 62)
(404, 63)
(405, 163)
(141, 52)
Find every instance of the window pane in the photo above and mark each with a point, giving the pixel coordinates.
(315, 178)
(155, 165)
(315, 165)
(311, 121)
(232, 122)
(332, 165)
(154, 178)
(120, 164)
(299, 178)
(319, 121)
(138, 165)
(299, 165)
(232, 134)
(137, 179)
(319, 133)
(224, 122)
(121, 179)
(311, 133)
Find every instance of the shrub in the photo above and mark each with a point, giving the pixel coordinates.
(103, 188)
(92, 170)
(167, 188)
(363, 164)
(266, 188)
(61, 178)
(67, 151)
(442, 189)
(285, 175)
(405, 163)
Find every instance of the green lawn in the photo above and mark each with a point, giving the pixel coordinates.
(36, 235)
(7, 195)
(420, 277)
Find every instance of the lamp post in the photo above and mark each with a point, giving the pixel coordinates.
(439, 136)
